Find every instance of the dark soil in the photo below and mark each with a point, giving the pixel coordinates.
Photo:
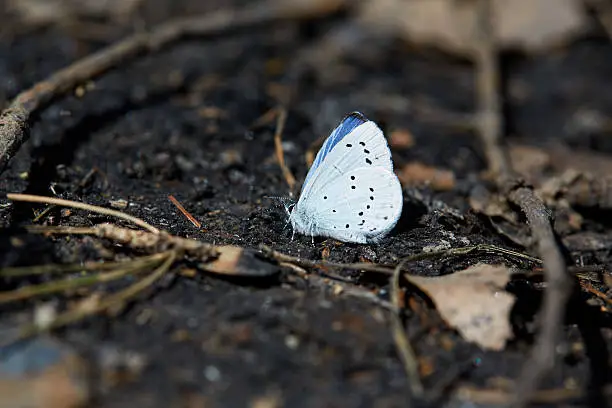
(178, 122)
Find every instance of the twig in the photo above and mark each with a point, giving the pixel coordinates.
(281, 119)
(490, 118)
(589, 288)
(497, 397)
(136, 239)
(183, 211)
(15, 119)
(389, 269)
(559, 287)
(88, 207)
(543, 354)
(169, 248)
(347, 289)
(145, 240)
(402, 343)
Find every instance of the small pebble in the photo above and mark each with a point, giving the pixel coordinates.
(212, 373)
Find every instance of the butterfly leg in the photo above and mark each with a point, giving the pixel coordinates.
(312, 235)
(286, 223)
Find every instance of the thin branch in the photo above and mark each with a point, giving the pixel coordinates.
(558, 290)
(543, 354)
(15, 119)
(402, 343)
(185, 213)
(490, 118)
(330, 283)
(389, 269)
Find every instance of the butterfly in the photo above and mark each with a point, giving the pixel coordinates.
(350, 192)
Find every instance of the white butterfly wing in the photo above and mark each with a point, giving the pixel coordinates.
(365, 146)
(360, 205)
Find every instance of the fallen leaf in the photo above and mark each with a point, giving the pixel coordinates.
(233, 260)
(532, 161)
(416, 173)
(474, 302)
(531, 25)
(325, 253)
(401, 139)
(529, 161)
(212, 112)
(583, 189)
(501, 216)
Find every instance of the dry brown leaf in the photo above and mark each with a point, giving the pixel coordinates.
(532, 161)
(564, 158)
(401, 139)
(233, 260)
(474, 302)
(532, 25)
(416, 173)
(529, 161)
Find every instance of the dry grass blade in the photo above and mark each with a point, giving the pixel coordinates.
(281, 119)
(20, 271)
(122, 270)
(82, 206)
(133, 290)
(402, 344)
(113, 301)
(53, 229)
(132, 238)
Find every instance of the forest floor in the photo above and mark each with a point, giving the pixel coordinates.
(180, 122)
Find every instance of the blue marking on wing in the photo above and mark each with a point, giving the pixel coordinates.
(350, 122)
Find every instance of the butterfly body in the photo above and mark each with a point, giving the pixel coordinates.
(351, 192)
